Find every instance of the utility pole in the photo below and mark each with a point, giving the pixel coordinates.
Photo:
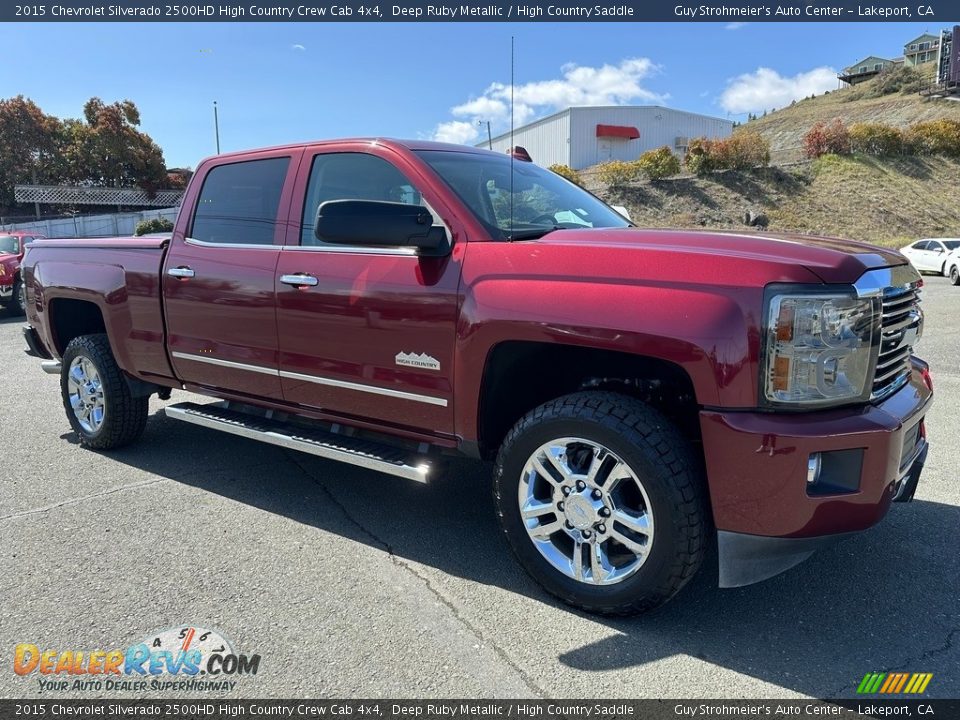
(216, 125)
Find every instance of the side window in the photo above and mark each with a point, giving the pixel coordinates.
(354, 176)
(922, 245)
(238, 202)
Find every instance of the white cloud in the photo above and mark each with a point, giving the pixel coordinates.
(578, 85)
(297, 46)
(456, 131)
(765, 89)
(733, 26)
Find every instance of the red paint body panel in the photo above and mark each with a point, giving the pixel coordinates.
(693, 299)
(757, 464)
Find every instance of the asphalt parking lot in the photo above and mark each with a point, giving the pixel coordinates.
(353, 584)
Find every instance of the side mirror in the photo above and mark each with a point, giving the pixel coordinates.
(372, 223)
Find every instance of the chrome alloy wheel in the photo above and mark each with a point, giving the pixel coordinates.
(586, 511)
(86, 394)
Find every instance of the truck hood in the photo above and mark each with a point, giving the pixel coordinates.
(830, 259)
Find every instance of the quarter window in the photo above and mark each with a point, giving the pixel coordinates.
(239, 202)
(354, 176)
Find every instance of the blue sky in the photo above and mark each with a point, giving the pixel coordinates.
(284, 82)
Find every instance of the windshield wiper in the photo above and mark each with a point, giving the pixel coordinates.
(532, 234)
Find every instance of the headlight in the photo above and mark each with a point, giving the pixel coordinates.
(3, 270)
(819, 349)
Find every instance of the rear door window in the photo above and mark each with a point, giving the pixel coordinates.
(239, 202)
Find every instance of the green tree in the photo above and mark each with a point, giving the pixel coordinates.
(29, 144)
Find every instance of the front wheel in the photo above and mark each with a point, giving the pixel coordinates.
(96, 397)
(955, 275)
(18, 303)
(602, 502)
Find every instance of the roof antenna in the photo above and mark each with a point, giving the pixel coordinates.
(511, 137)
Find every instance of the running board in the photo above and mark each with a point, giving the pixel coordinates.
(352, 450)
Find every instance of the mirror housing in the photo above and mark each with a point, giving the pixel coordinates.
(376, 223)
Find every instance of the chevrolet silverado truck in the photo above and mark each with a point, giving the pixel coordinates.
(12, 247)
(643, 394)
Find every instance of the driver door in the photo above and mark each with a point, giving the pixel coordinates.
(365, 332)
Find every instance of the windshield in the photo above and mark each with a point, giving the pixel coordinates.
(952, 244)
(9, 244)
(542, 201)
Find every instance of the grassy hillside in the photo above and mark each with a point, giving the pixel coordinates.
(886, 201)
(892, 98)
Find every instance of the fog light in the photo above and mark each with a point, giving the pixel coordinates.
(813, 468)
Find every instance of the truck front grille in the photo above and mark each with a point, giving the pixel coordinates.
(901, 324)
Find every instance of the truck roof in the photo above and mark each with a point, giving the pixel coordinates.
(388, 142)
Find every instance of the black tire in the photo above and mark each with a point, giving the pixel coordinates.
(955, 275)
(17, 306)
(124, 416)
(660, 458)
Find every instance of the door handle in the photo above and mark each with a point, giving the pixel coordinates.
(299, 280)
(181, 272)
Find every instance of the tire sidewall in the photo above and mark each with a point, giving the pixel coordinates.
(955, 275)
(667, 536)
(18, 305)
(73, 351)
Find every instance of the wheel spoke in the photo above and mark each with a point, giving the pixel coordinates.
(599, 564)
(617, 473)
(596, 464)
(534, 509)
(543, 532)
(576, 562)
(637, 523)
(77, 375)
(630, 544)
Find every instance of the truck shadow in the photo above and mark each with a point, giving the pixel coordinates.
(882, 601)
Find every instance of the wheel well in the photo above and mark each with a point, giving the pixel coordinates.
(519, 376)
(70, 319)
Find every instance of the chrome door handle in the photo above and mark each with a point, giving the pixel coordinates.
(299, 280)
(181, 272)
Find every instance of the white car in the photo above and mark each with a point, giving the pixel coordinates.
(936, 255)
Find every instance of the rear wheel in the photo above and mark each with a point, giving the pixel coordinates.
(602, 502)
(96, 397)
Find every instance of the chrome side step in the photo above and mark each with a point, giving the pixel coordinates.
(352, 450)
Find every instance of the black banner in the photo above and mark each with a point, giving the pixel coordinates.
(928, 11)
(481, 709)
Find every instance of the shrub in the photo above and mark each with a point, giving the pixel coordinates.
(659, 163)
(700, 158)
(617, 172)
(155, 225)
(568, 172)
(877, 139)
(831, 138)
(741, 151)
(936, 137)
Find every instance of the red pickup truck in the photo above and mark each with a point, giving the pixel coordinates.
(643, 393)
(12, 247)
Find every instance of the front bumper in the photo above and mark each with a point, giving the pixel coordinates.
(6, 292)
(768, 516)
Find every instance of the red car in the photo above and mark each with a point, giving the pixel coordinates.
(642, 393)
(12, 247)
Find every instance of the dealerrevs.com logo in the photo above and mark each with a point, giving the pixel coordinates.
(184, 658)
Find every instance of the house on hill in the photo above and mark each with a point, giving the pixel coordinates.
(921, 50)
(864, 69)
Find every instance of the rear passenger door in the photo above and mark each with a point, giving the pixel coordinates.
(218, 278)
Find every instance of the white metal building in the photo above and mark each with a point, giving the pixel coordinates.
(583, 136)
